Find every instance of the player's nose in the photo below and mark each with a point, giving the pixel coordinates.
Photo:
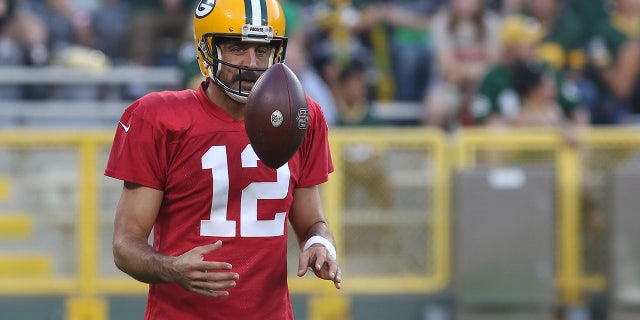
(252, 58)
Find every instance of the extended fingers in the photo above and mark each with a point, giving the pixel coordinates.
(303, 263)
(317, 258)
(320, 260)
(333, 269)
(214, 276)
(213, 265)
(212, 285)
(211, 293)
(323, 265)
(337, 279)
(212, 289)
(330, 271)
(207, 249)
(199, 270)
(311, 258)
(221, 276)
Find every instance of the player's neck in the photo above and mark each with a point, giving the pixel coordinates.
(220, 98)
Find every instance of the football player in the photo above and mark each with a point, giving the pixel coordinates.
(219, 216)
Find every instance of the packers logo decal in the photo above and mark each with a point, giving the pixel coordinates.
(303, 118)
(205, 7)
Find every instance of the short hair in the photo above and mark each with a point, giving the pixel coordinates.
(526, 76)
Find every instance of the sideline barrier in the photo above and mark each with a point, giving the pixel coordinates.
(56, 179)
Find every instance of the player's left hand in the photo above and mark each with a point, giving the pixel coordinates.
(323, 265)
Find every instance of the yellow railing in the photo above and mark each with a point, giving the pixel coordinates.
(471, 142)
(570, 163)
(87, 289)
(432, 144)
(83, 302)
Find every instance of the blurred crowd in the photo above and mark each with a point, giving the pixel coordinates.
(558, 63)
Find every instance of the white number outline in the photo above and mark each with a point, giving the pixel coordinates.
(215, 159)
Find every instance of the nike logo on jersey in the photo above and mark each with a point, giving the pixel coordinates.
(126, 128)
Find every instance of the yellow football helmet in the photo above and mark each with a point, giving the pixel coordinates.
(248, 20)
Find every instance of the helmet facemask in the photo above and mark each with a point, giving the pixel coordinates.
(211, 54)
(254, 21)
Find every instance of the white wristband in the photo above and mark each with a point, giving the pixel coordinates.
(320, 240)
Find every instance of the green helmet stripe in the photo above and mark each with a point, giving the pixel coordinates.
(256, 12)
(248, 9)
(263, 14)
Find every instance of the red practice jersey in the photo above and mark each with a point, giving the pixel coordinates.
(215, 188)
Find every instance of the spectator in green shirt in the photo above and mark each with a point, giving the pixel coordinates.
(411, 46)
(467, 42)
(563, 33)
(590, 12)
(614, 66)
(536, 87)
(497, 102)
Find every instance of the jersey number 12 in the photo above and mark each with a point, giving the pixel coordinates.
(218, 225)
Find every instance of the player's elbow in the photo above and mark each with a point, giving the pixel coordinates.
(126, 249)
(118, 255)
(133, 256)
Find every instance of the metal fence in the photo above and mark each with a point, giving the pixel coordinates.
(392, 206)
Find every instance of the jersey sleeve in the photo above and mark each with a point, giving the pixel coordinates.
(315, 153)
(138, 151)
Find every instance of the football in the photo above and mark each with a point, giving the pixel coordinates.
(276, 115)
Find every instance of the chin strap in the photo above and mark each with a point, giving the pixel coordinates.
(236, 97)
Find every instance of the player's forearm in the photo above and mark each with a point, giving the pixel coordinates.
(139, 260)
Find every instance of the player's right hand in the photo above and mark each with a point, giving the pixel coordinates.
(192, 272)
